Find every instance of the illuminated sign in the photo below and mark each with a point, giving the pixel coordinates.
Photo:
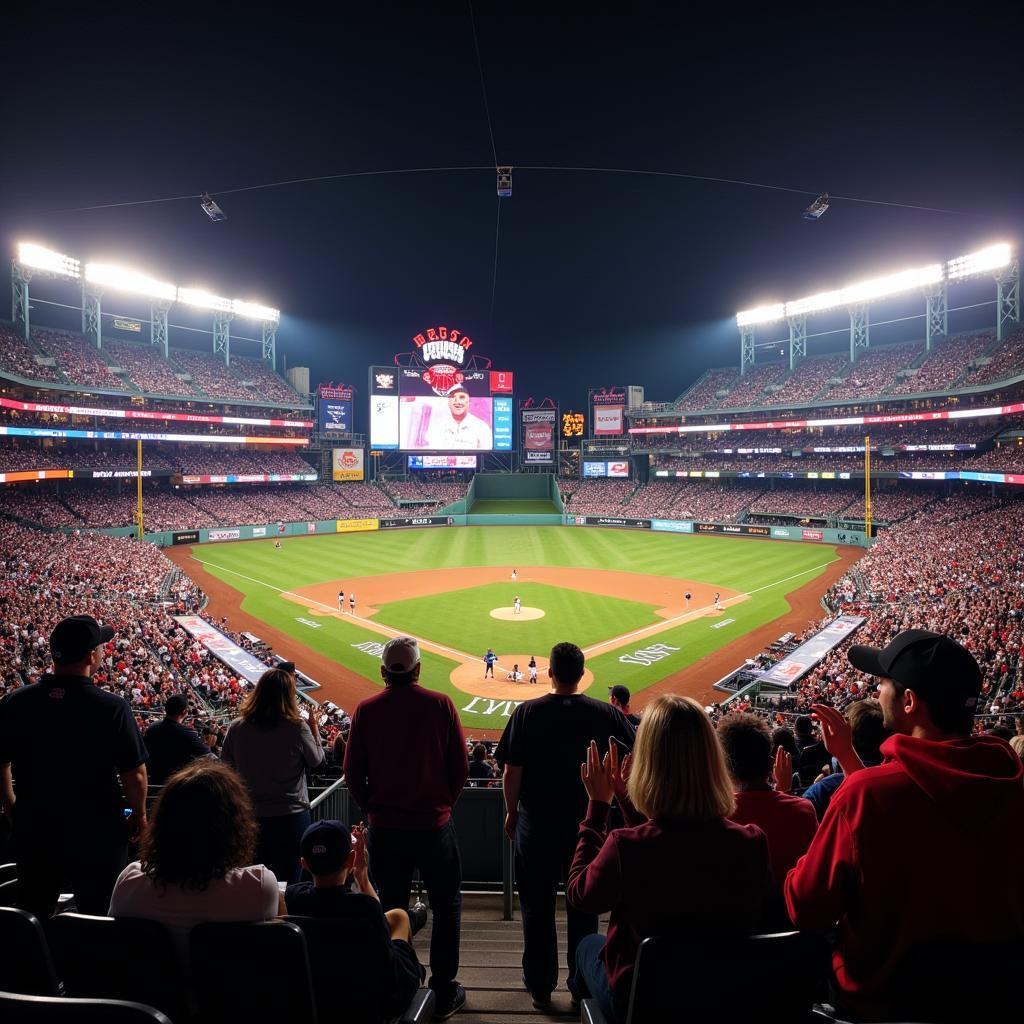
(125, 435)
(572, 424)
(127, 325)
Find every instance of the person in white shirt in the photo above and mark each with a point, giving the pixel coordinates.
(455, 426)
(516, 606)
(515, 675)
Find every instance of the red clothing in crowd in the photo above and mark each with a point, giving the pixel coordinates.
(789, 823)
(898, 854)
(405, 762)
(654, 880)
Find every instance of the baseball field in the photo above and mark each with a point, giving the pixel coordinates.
(620, 595)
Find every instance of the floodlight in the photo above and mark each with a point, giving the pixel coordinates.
(31, 255)
(891, 284)
(254, 311)
(124, 280)
(761, 315)
(204, 299)
(823, 300)
(991, 258)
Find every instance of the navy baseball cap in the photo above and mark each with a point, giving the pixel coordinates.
(75, 637)
(931, 664)
(325, 846)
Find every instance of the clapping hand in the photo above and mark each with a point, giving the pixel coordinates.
(619, 771)
(597, 776)
(838, 737)
(361, 867)
(783, 770)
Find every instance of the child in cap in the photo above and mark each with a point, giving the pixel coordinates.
(336, 856)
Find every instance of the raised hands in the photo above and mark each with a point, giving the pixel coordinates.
(597, 775)
(838, 737)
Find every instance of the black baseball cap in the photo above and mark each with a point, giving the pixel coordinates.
(620, 693)
(75, 637)
(325, 846)
(931, 664)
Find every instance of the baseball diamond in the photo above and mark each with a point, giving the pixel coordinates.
(633, 622)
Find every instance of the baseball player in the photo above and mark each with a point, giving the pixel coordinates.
(687, 597)
(489, 659)
(352, 602)
(277, 545)
(341, 601)
(515, 675)
(515, 575)
(718, 602)
(533, 669)
(517, 605)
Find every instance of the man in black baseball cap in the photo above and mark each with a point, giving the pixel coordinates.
(888, 861)
(72, 748)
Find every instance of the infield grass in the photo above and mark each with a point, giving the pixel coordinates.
(766, 570)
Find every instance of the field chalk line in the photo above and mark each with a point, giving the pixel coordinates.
(617, 641)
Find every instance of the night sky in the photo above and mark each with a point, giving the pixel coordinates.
(602, 278)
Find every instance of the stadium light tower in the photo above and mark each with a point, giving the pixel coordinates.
(31, 259)
(932, 280)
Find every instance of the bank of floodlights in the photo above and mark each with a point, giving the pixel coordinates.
(135, 282)
(984, 261)
(40, 258)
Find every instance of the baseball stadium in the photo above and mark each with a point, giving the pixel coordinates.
(381, 658)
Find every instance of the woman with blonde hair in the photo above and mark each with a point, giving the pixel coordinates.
(271, 747)
(653, 875)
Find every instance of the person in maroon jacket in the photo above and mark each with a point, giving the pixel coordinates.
(894, 853)
(405, 765)
(652, 876)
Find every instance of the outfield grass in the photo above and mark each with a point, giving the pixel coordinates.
(261, 573)
(462, 618)
(496, 508)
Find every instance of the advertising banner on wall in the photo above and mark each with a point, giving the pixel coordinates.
(607, 412)
(810, 653)
(355, 525)
(633, 524)
(347, 463)
(442, 462)
(335, 409)
(672, 526)
(538, 436)
(223, 534)
(238, 659)
(737, 529)
(259, 531)
(185, 537)
(395, 524)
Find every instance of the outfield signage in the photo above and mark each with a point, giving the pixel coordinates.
(634, 524)
(355, 525)
(335, 408)
(185, 537)
(843, 421)
(671, 526)
(395, 524)
(811, 652)
(243, 478)
(239, 660)
(738, 529)
(125, 435)
(36, 474)
(347, 463)
(538, 436)
(148, 414)
(223, 534)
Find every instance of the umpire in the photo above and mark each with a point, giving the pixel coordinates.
(65, 742)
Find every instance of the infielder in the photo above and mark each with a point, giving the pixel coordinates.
(687, 597)
(515, 575)
(718, 602)
(533, 669)
(516, 605)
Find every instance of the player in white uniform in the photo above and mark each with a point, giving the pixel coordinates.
(718, 602)
(352, 601)
(341, 601)
(515, 675)
(533, 669)
(515, 575)
(455, 426)
(516, 605)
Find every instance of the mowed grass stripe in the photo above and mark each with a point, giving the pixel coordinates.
(739, 564)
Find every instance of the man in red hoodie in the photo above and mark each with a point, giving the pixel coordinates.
(405, 764)
(894, 853)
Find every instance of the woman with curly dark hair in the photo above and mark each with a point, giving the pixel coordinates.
(195, 860)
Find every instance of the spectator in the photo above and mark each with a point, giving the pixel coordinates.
(332, 855)
(941, 798)
(541, 749)
(171, 744)
(405, 763)
(65, 741)
(271, 746)
(811, 753)
(618, 697)
(787, 821)
(680, 798)
(195, 862)
(867, 734)
(478, 766)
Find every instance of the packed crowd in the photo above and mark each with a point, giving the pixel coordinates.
(211, 375)
(705, 392)
(600, 498)
(749, 390)
(146, 368)
(945, 365)
(269, 387)
(807, 381)
(1006, 361)
(18, 358)
(80, 361)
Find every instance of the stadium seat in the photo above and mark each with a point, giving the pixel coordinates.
(18, 1009)
(8, 871)
(252, 972)
(25, 964)
(346, 956)
(755, 978)
(952, 982)
(118, 958)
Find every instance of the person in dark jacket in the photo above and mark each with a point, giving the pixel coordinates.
(677, 801)
(170, 743)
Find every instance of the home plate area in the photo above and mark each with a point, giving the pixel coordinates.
(511, 615)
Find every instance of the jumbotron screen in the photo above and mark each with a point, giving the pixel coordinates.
(408, 414)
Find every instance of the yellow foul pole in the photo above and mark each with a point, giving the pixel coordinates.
(138, 484)
(867, 485)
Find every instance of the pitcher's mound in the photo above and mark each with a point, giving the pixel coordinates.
(524, 613)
